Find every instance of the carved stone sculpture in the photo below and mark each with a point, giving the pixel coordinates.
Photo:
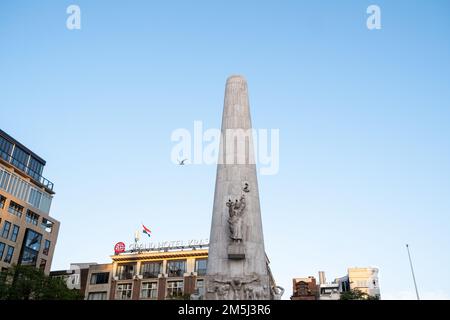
(277, 292)
(236, 211)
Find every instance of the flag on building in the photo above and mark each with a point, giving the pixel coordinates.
(146, 230)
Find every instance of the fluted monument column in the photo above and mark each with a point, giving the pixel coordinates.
(237, 266)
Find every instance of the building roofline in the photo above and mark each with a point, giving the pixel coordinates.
(159, 255)
(14, 141)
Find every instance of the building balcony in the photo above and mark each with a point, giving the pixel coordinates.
(25, 168)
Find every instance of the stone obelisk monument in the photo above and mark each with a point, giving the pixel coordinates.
(237, 264)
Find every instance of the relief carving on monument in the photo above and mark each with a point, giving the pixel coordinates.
(247, 288)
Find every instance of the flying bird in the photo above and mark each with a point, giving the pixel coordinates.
(182, 162)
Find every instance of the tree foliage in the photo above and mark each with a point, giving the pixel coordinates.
(357, 295)
(29, 283)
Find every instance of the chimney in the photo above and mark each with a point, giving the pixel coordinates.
(322, 279)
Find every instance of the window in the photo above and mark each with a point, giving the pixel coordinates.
(20, 158)
(176, 268)
(100, 278)
(124, 291)
(174, 289)
(149, 290)
(2, 249)
(2, 202)
(15, 209)
(200, 286)
(35, 198)
(5, 230)
(4, 179)
(35, 169)
(151, 269)
(47, 225)
(125, 271)
(200, 266)
(97, 295)
(361, 283)
(46, 247)
(31, 247)
(5, 149)
(42, 264)
(15, 233)
(9, 254)
(345, 286)
(32, 218)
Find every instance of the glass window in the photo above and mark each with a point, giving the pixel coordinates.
(9, 254)
(2, 202)
(4, 179)
(35, 198)
(200, 266)
(5, 230)
(174, 289)
(176, 268)
(46, 247)
(100, 278)
(2, 249)
(15, 233)
(20, 158)
(124, 291)
(32, 218)
(149, 290)
(47, 225)
(97, 295)
(5, 149)
(150, 269)
(35, 169)
(15, 209)
(125, 271)
(31, 247)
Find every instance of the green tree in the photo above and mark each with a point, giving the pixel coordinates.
(357, 295)
(29, 283)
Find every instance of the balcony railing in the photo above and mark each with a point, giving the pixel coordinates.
(125, 275)
(36, 176)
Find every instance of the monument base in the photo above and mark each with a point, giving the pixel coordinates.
(236, 251)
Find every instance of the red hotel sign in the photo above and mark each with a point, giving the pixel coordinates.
(119, 248)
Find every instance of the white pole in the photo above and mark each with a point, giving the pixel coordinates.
(412, 271)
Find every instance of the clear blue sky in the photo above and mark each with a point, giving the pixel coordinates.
(363, 118)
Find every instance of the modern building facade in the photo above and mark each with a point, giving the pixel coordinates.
(27, 232)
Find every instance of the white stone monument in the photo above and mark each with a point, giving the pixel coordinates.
(237, 264)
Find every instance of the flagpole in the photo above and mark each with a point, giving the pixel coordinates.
(412, 271)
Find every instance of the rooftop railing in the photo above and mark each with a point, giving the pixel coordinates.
(36, 176)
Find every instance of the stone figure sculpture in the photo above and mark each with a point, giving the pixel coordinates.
(236, 211)
(277, 292)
